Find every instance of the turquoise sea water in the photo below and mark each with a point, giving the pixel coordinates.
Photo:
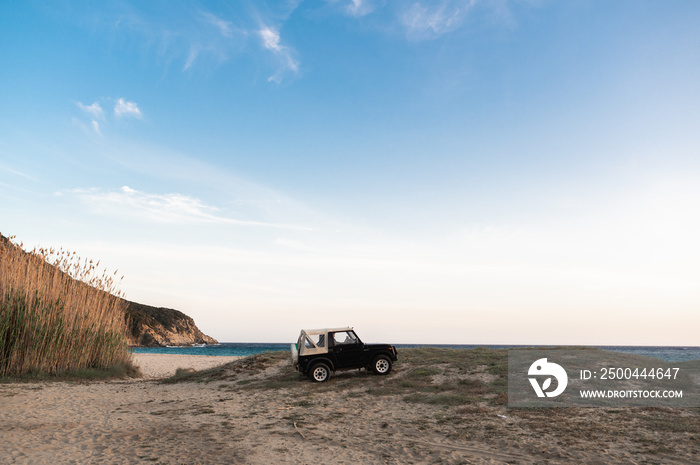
(669, 354)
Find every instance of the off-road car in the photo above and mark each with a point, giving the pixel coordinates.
(318, 352)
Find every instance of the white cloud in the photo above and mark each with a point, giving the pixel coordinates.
(95, 110)
(271, 41)
(124, 108)
(161, 208)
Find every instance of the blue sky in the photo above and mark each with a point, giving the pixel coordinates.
(476, 172)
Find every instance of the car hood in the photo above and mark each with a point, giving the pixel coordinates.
(378, 346)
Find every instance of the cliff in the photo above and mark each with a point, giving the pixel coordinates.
(154, 326)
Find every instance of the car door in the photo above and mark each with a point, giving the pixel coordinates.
(349, 350)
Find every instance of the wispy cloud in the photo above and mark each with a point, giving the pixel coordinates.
(15, 172)
(271, 41)
(176, 35)
(190, 39)
(360, 7)
(211, 36)
(171, 208)
(191, 57)
(429, 20)
(124, 108)
(95, 110)
(224, 27)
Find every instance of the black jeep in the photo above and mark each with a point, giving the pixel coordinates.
(318, 352)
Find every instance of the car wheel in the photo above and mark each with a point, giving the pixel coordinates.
(320, 373)
(381, 365)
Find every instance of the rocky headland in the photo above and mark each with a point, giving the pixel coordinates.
(157, 326)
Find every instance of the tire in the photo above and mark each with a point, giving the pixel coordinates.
(381, 365)
(320, 372)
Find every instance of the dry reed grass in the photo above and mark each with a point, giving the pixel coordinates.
(58, 313)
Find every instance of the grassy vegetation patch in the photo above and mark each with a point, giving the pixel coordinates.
(433, 376)
(58, 315)
(116, 371)
(416, 398)
(671, 423)
(423, 372)
(473, 386)
(126, 370)
(243, 372)
(449, 399)
(449, 377)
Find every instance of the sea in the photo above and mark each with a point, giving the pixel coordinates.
(669, 354)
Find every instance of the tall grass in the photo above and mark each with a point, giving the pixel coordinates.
(57, 313)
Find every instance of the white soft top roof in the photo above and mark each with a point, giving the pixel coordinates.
(307, 346)
(326, 330)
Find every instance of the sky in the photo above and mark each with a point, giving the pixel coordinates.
(458, 172)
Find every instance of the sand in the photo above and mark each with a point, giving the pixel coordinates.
(245, 417)
(162, 365)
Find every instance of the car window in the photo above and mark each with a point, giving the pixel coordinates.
(318, 339)
(344, 337)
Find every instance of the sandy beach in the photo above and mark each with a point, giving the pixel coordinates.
(258, 411)
(162, 365)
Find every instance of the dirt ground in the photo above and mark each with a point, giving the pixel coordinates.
(435, 407)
